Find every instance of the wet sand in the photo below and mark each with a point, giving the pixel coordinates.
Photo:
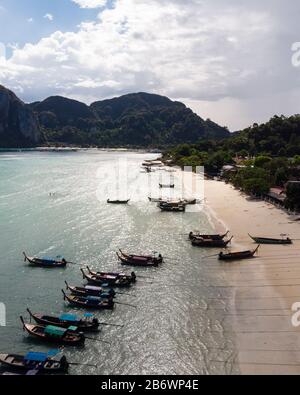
(265, 288)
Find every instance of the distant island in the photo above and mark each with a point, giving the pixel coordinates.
(139, 120)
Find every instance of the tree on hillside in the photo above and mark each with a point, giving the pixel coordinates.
(261, 161)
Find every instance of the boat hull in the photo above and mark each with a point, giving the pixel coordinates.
(148, 262)
(77, 292)
(261, 240)
(208, 243)
(83, 304)
(120, 283)
(44, 264)
(88, 327)
(17, 363)
(238, 256)
(166, 186)
(118, 201)
(78, 340)
(193, 236)
(174, 209)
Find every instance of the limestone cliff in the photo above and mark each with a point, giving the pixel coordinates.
(18, 124)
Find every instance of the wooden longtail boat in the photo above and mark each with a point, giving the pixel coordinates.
(167, 186)
(142, 261)
(118, 201)
(235, 256)
(47, 262)
(193, 235)
(264, 240)
(156, 256)
(110, 275)
(108, 280)
(89, 302)
(87, 324)
(199, 242)
(34, 361)
(172, 207)
(55, 334)
(89, 290)
(179, 201)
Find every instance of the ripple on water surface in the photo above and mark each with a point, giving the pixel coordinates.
(175, 327)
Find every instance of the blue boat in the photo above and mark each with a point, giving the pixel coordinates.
(34, 362)
(86, 324)
(48, 262)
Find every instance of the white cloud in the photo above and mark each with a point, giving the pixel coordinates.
(203, 52)
(30, 20)
(49, 17)
(90, 3)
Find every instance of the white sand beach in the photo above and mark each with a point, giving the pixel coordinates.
(264, 288)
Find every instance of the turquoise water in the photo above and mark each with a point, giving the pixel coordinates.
(175, 329)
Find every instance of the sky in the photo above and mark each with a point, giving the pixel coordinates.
(230, 61)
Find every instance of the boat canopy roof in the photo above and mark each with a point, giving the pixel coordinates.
(51, 259)
(48, 259)
(110, 277)
(93, 298)
(36, 357)
(91, 288)
(55, 330)
(140, 258)
(73, 328)
(69, 317)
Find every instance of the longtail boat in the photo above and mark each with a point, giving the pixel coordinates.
(175, 207)
(179, 201)
(193, 235)
(167, 186)
(89, 302)
(119, 275)
(265, 240)
(48, 262)
(154, 257)
(110, 276)
(112, 281)
(235, 256)
(199, 242)
(118, 201)
(136, 260)
(37, 361)
(54, 334)
(89, 290)
(88, 324)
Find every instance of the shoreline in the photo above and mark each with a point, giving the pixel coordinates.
(72, 148)
(264, 288)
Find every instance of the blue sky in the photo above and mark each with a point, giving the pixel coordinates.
(230, 61)
(15, 26)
